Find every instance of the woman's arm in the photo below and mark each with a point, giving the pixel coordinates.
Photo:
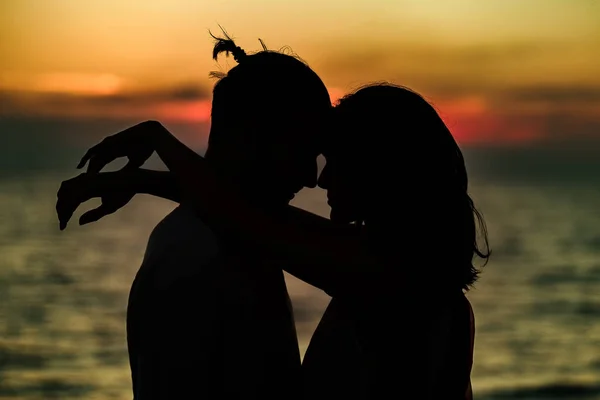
(165, 185)
(161, 184)
(115, 189)
(322, 254)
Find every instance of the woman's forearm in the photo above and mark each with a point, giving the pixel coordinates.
(161, 184)
(318, 256)
(318, 269)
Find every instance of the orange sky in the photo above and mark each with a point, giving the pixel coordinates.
(499, 71)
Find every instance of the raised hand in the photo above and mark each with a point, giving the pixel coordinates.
(113, 188)
(135, 143)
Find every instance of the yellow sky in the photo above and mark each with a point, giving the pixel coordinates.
(500, 59)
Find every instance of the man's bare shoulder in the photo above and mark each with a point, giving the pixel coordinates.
(180, 245)
(182, 224)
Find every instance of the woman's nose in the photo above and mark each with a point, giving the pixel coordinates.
(325, 178)
(310, 177)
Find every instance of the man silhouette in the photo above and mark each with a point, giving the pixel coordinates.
(247, 346)
(202, 321)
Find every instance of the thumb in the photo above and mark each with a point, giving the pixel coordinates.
(97, 163)
(95, 214)
(133, 163)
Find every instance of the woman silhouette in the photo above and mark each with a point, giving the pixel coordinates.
(394, 170)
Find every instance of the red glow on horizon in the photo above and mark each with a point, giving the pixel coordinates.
(488, 129)
(473, 120)
(189, 111)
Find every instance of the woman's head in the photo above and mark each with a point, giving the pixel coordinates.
(393, 164)
(267, 117)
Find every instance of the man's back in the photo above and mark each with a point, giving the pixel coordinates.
(201, 322)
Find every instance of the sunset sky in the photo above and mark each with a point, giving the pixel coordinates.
(499, 71)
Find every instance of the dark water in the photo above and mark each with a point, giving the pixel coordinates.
(63, 294)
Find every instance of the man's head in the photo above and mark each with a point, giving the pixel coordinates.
(268, 113)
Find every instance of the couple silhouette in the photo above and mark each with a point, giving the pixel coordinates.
(209, 315)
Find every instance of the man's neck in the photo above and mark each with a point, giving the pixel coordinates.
(249, 189)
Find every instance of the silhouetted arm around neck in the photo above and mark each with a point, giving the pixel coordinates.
(161, 184)
(323, 254)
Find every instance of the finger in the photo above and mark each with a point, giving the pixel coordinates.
(64, 211)
(97, 163)
(93, 152)
(133, 163)
(70, 195)
(139, 157)
(88, 154)
(95, 214)
(76, 189)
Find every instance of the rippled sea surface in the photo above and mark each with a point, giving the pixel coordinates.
(63, 295)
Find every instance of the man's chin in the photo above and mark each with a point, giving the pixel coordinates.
(291, 197)
(341, 216)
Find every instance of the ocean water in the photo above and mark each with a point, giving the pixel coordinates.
(63, 295)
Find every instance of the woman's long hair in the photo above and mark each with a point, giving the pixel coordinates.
(414, 180)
